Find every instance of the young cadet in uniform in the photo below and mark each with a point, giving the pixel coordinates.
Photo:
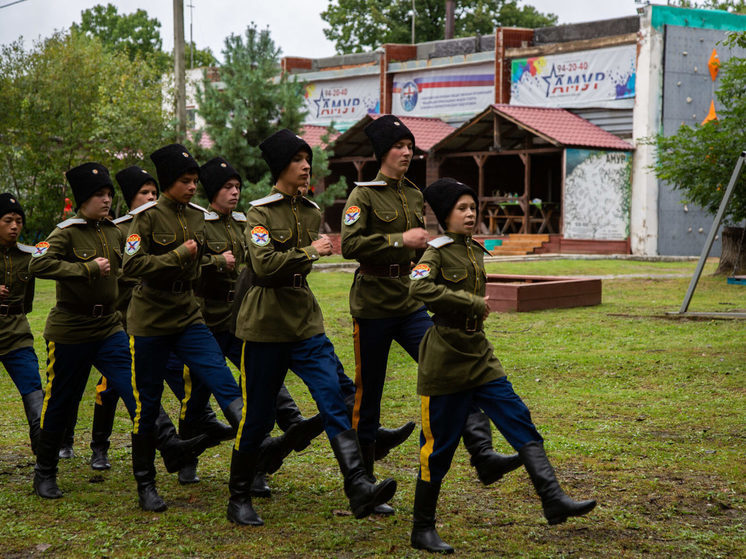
(164, 250)
(282, 325)
(16, 298)
(83, 329)
(383, 229)
(458, 368)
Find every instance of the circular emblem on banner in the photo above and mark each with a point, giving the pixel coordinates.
(352, 214)
(420, 271)
(41, 249)
(132, 244)
(408, 96)
(260, 236)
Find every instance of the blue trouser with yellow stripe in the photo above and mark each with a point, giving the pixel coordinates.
(68, 367)
(444, 417)
(23, 368)
(264, 367)
(197, 349)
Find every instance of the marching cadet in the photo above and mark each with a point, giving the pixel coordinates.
(383, 229)
(164, 250)
(16, 298)
(282, 327)
(458, 368)
(84, 329)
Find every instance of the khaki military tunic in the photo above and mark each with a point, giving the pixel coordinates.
(223, 232)
(279, 233)
(15, 331)
(126, 283)
(68, 256)
(450, 279)
(164, 302)
(373, 224)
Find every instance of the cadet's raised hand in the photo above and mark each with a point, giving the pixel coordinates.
(323, 245)
(487, 311)
(104, 265)
(191, 245)
(230, 260)
(4, 292)
(415, 238)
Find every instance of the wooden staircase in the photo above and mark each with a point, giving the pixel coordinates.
(519, 245)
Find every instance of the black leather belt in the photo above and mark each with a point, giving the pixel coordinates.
(223, 293)
(12, 308)
(466, 324)
(384, 270)
(176, 287)
(296, 280)
(85, 309)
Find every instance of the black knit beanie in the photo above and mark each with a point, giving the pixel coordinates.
(443, 194)
(384, 132)
(10, 205)
(131, 180)
(171, 162)
(87, 179)
(214, 174)
(280, 148)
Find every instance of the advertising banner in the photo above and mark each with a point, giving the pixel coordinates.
(346, 100)
(592, 78)
(436, 93)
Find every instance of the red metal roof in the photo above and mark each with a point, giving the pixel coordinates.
(312, 134)
(561, 126)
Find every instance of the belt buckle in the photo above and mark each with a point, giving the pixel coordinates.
(297, 281)
(230, 296)
(472, 328)
(4, 310)
(177, 287)
(97, 311)
(394, 270)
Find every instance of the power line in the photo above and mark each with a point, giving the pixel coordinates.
(11, 3)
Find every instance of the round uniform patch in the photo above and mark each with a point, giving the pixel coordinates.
(260, 236)
(132, 245)
(352, 214)
(420, 271)
(41, 249)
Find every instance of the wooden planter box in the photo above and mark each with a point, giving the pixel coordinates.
(532, 293)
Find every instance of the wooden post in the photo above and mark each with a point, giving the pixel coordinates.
(359, 164)
(524, 199)
(480, 159)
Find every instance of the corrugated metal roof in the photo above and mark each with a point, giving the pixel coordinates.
(312, 134)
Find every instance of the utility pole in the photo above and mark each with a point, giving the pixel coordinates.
(413, 16)
(191, 36)
(179, 71)
(450, 15)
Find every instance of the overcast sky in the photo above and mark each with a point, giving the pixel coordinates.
(295, 24)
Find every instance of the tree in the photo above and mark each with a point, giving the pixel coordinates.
(733, 6)
(359, 25)
(699, 160)
(65, 101)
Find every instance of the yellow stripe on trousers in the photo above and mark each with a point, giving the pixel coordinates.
(243, 395)
(50, 378)
(100, 387)
(358, 375)
(135, 392)
(187, 391)
(427, 448)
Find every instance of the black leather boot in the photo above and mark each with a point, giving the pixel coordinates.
(32, 404)
(45, 471)
(209, 425)
(558, 507)
(388, 439)
(143, 466)
(103, 425)
(233, 413)
(259, 486)
(292, 422)
(424, 534)
(188, 472)
(490, 465)
(368, 452)
(363, 494)
(177, 453)
(240, 510)
(66, 448)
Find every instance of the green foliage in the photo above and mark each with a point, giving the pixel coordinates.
(66, 101)
(320, 171)
(699, 160)
(732, 6)
(359, 25)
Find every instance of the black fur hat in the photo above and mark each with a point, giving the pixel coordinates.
(131, 180)
(384, 132)
(86, 179)
(171, 162)
(278, 150)
(214, 174)
(10, 205)
(443, 194)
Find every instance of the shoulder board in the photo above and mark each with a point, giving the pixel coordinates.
(371, 183)
(25, 248)
(310, 202)
(122, 219)
(267, 199)
(197, 207)
(239, 216)
(71, 221)
(440, 241)
(211, 216)
(144, 207)
(480, 245)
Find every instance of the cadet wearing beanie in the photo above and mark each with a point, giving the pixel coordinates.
(383, 229)
(458, 368)
(164, 250)
(16, 298)
(282, 327)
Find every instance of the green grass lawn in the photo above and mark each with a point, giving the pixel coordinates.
(642, 412)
